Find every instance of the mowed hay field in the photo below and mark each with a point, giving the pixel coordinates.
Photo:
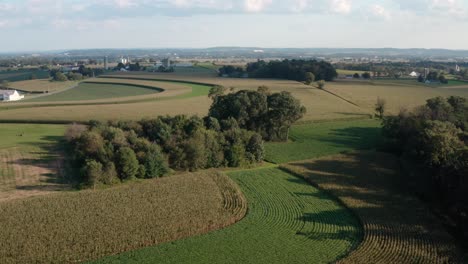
(30, 160)
(79, 226)
(42, 86)
(95, 91)
(397, 94)
(312, 140)
(288, 221)
(398, 227)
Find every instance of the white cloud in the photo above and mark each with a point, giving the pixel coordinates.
(341, 6)
(256, 5)
(126, 3)
(380, 11)
(300, 5)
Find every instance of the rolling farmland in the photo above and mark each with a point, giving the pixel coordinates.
(91, 224)
(288, 221)
(398, 227)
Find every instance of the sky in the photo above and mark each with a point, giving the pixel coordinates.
(34, 25)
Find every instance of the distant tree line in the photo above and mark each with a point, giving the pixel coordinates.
(76, 75)
(434, 139)
(292, 70)
(306, 71)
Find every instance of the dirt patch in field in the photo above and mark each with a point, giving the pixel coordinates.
(24, 174)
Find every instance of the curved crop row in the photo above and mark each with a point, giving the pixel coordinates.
(398, 228)
(288, 221)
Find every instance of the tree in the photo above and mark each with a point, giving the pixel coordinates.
(321, 84)
(216, 91)
(309, 78)
(127, 163)
(356, 76)
(366, 75)
(283, 111)
(380, 107)
(441, 143)
(5, 84)
(60, 77)
(264, 89)
(155, 164)
(255, 148)
(432, 76)
(442, 79)
(92, 172)
(420, 78)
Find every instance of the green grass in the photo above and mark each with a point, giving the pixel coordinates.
(94, 91)
(288, 221)
(32, 135)
(320, 139)
(349, 72)
(22, 75)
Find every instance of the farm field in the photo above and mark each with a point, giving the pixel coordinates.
(398, 227)
(22, 75)
(30, 162)
(348, 72)
(311, 140)
(94, 91)
(41, 86)
(78, 226)
(357, 98)
(288, 221)
(398, 94)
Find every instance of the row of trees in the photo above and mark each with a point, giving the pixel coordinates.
(120, 151)
(292, 70)
(435, 137)
(433, 76)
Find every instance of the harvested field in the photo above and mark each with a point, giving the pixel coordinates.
(95, 91)
(30, 160)
(41, 86)
(398, 228)
(288, 221)
(79, 226)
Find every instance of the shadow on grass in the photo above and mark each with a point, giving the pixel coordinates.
(369, 183)
(46, 167)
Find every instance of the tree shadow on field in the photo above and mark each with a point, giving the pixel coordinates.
(353, 137)
(43, 169)
(370, 184)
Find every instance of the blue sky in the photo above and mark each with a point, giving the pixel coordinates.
(69, 24)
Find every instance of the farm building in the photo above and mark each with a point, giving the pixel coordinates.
(10, 95)
(414, 74)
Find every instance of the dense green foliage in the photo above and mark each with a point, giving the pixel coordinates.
(292, 70)
(271, 115)
(435, 136)
(320, 139)
(23, 75)
(288, 221)
(146, 148)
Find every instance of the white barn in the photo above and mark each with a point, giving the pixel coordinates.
(414, 74)
(10, 95)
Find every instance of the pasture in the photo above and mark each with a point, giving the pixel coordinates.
(79, 226)
(311, 140)
(398, 227)
(30, 162)
(288, 221)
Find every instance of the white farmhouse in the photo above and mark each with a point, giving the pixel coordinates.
(10, 95)
(414, 74)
